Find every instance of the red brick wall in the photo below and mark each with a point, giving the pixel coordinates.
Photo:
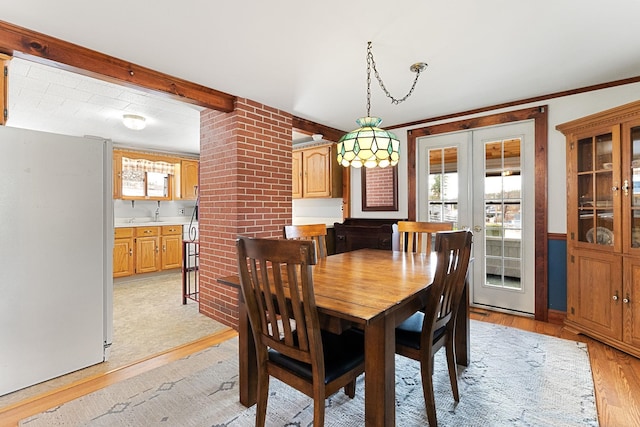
(245, 188)
(379, 186)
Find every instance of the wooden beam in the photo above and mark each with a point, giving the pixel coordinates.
(30, 45)
(307, 126)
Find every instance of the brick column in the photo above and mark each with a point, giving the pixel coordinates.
(245, 188)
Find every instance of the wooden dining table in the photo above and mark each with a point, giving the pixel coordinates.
(373, 290)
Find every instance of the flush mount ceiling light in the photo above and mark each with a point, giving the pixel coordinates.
(370, 146)
(133, 121)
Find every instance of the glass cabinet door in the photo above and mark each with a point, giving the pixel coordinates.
(595, 193)
(634, 197)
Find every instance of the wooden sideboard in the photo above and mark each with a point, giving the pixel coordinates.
(359, 233)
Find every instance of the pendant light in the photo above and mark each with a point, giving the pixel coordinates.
(369, 145)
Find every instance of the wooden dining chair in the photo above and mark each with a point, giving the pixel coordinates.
(423, 334)
(277, 285)
(315, 232)
(416, 236)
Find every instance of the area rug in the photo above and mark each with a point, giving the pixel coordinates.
(515, 378)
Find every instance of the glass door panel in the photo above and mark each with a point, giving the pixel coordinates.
(635, 187)
(502, 204)
(595, 181)
(443, 185)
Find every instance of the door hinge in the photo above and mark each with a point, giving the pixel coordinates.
(573, 310)
(6, 71)
(573, 260)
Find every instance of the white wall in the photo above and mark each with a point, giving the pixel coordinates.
(560, 110)
(309, 211)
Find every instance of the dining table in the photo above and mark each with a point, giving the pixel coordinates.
(373, 290)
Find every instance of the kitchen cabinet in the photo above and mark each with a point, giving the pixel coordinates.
(316, 173)
(171, 239)
(147, 249)
(123, 252)
(296, 174)
(154, 176)
(603, 226)
(189, 179)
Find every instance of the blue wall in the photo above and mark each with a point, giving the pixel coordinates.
(557, 279)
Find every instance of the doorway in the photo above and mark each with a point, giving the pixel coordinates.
(483, 179)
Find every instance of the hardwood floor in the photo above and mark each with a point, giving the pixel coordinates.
(616, 375)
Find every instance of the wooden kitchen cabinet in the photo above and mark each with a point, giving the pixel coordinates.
(147, 249)
(296, 174)
(316, 173)
(123, 252)
(603, 226)
(189, 179)
(154, 176)
(171, 240)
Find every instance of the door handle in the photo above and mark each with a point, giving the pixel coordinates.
(477, 228)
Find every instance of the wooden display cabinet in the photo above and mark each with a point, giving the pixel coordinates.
(603, 226)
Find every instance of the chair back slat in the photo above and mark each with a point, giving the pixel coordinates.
(315, 232)
(416, 236)
(453, 251)
(277, 285)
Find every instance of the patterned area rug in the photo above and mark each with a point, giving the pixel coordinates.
(515, 378)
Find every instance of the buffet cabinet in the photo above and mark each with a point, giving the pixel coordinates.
(603, 226)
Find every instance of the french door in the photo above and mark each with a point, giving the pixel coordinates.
(484, 180)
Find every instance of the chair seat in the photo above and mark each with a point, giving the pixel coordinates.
(336, 363)
(408, 332)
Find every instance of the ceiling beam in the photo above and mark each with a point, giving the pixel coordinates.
(309, 127)
(30, 45)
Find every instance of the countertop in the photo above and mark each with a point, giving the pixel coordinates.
(149, 222)
(184, 220)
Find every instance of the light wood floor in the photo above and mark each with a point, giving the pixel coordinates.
(616, 375)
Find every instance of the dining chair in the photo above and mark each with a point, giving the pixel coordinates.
(315, 232)
(424, 333)
(276, 279)
(416, 236)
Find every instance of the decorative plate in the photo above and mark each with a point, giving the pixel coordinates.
(604, 236)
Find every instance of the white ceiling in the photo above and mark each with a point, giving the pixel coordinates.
(309, 58)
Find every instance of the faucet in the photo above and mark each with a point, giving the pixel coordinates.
(157, 212)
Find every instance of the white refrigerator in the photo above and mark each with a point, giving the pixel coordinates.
(56, 239)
